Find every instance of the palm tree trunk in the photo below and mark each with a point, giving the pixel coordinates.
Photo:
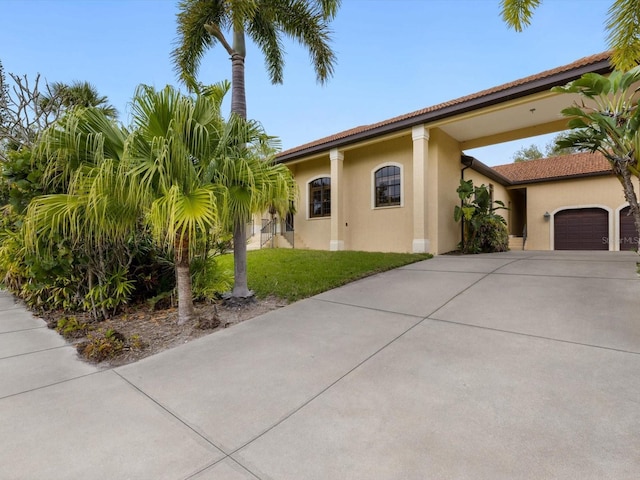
(240, 287)
(238, 93)
(239, 107)
(186, 312)
(624, 175)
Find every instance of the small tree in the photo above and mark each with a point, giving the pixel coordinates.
(607, 120)
(22, 113)
(203, 24)
(485, 231)
(531, 152)
(65, 96)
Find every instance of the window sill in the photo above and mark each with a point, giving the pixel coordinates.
(387, 207)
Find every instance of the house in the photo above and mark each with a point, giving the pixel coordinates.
(391, 186)
(572, 202)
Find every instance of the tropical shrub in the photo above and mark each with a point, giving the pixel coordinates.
(209, 280)
(484, 230)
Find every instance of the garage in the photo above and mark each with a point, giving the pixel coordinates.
(581, 229)
(628, 234)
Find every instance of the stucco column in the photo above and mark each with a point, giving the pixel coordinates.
(420, 137)
(337, 215)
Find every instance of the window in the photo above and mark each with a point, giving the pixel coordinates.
(320, 197)
(387, 186)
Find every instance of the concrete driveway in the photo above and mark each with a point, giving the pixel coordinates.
(521, 365)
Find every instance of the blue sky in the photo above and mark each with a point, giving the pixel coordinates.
(394, 57)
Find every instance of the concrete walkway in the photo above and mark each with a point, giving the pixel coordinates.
(522, 365)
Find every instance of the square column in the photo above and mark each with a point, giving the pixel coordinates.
(337, 215)
(421, 233)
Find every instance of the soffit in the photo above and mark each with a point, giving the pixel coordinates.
(526, 117)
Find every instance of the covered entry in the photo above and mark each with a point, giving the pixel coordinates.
(581, 229)
(628, 234)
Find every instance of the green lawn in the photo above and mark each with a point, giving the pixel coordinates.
(296, 274)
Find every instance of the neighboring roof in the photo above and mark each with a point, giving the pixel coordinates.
(526, 86)
(555, 168)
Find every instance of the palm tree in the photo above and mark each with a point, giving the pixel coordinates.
(114, 180)
(204, 23)
(608, 121)
(95, 215)
(251, 183)
(78, 94)
(623, 27)
(171, 151)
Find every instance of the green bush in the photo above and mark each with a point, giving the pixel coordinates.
(71, 327)
(209, 279)
(484, 230)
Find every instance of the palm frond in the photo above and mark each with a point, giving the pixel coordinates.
(623, 24)
(193, 39)
(517, 14)
(306, 23)
(265, 34)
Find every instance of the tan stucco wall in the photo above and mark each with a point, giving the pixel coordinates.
(605, 192)
(373, 229)
(365, 227)
(446, 151)
(313, 233)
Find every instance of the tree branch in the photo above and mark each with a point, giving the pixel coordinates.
(214, 31)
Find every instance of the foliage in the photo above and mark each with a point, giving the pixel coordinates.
(77, 94)
(106, 344)
(250, 181)
(102, 345)
(285, 273)
(485, 231)
(607, 120)
(71, 327)
(13, 268)
(22, 114)
(552, 149)
(532, 152)
(110, 210)
(209, 280)
(94, 214)
(171, 163)
(28, 107)
(623, 27)
(201, 25)
(110, 294)
(21, 179)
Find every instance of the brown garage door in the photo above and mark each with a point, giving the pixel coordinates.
(581, 229)
(628, 234)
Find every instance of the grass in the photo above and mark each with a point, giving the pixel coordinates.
(296, 274)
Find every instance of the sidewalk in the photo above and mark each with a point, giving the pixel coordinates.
(521, 365)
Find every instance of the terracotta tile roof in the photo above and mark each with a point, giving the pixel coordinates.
(583, 62)
(576, 165)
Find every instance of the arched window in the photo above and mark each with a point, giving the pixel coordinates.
(388, 186)
(320, 197)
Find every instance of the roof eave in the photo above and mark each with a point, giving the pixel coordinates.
(490, 173)
(518, 91)
(561, 177)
